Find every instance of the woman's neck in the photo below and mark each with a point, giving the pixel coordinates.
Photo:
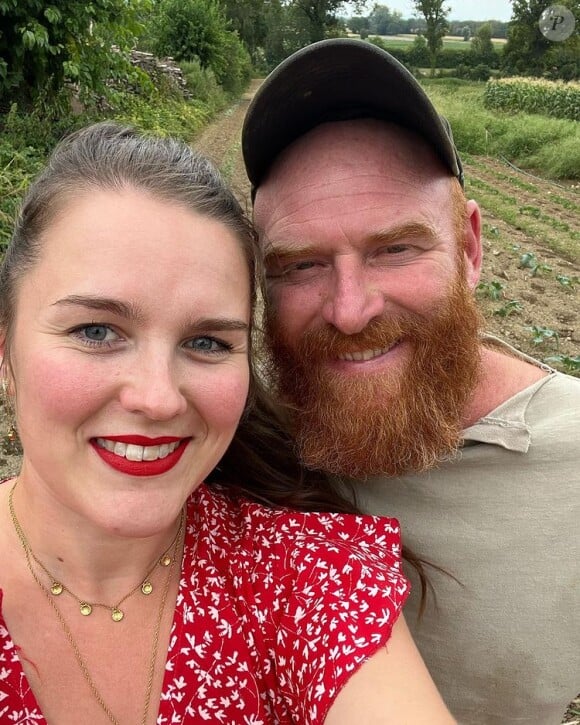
(94, 563)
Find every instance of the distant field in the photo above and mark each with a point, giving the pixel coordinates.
(449, 41)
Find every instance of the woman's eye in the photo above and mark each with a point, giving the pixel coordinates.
(95, 334)
(208, 345)
(98, 333)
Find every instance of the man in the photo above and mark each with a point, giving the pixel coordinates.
(372, 254)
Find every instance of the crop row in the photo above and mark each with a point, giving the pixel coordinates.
(534, 95)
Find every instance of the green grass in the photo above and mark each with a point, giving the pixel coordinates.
(529, 140)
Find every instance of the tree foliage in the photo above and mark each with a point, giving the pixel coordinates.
(42, 45)
(197, 30)
(384, 21)
(528, 52)
(248, 18)
(482, 47)
(321, 16)
(435, 14)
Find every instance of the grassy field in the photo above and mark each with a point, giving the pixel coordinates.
(531, 141)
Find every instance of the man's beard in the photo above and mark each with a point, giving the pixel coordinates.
(391, 422)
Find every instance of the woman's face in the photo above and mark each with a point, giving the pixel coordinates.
(129, 357)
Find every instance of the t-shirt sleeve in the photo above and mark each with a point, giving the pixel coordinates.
(340, 590)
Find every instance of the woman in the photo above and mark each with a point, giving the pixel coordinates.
(131, 590)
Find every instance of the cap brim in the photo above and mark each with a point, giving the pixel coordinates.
(334, 80)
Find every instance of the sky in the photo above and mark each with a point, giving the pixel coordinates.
(460, 9)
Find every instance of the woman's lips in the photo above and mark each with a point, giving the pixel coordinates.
(140, 456)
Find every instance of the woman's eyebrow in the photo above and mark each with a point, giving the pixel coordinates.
(219, 323)
(105, 304)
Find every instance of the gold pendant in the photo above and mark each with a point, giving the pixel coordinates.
(146, 587)
(165, 560)
(56, 588)
(116, 614)
(86, 609)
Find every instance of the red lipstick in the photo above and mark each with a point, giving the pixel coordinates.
(142, 468)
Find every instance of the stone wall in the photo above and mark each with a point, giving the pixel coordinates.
(161, 68)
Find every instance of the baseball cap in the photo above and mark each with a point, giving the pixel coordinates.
(337, 80)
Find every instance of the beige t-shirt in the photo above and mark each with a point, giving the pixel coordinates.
(503, 642)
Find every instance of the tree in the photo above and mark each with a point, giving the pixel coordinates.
(321, 15)
(197, 30)
(383, 21)
(435, 15)
(42, 45)
(358, 24)
(248, 19)
(482, 47)
(528, 52)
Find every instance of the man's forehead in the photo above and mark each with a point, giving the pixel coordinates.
(352, 145)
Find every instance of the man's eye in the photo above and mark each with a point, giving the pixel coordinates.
(396, 248)
(300, 266)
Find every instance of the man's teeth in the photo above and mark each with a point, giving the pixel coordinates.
(137, 453)
(365, 354)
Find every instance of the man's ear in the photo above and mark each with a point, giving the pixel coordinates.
(472, 247)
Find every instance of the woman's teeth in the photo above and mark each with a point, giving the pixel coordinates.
(137, 453)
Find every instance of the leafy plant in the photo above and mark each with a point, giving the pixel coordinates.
(568, 282)
(544, 334)
(42, 45)
(510, 308)
(570, 364)
(493, 290)
(530, 261)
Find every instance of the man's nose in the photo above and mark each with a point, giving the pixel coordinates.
(353, 298)
(153, 388)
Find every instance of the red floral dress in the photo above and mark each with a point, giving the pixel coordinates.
(276, 609)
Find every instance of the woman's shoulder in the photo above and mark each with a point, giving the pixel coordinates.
(290, 544)
(323, 590)
(239, 522)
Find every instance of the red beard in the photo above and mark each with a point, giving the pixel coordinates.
(391, 422)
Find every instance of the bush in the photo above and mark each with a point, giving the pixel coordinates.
(203, 85)
(236, 73)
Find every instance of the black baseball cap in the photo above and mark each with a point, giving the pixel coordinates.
(337, 80)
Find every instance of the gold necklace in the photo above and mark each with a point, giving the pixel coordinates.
(85, 607)
(177, 542)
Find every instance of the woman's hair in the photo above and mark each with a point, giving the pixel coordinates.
(261, 462)
(111, 157)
